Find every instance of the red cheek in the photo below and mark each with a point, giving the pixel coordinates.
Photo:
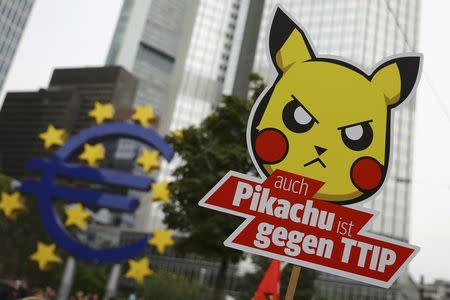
(366, 173)
(271, 145)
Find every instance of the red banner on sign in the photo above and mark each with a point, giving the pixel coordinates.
(284, 222)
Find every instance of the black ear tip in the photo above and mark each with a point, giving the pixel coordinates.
(281, 18)
(412, 61)
(282, 27)
(279, 12)
(409, 67)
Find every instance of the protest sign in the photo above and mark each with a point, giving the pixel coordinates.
(320, 138)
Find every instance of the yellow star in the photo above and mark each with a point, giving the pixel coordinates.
(45, 255)
(11, 204)
(93, 154)
(102, 112)
(160, 191)
(144, 115)
(77, 216)
(138, 269)
(148, 160)
(53, 137)
(161, 239)
(178, 135)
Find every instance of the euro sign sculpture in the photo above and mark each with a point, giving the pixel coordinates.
(47, 190)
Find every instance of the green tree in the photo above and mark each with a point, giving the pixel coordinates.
(20, 237)
(90, 278)
(5, 183)
(208, 152)
(163, 285)
(166, 285)
(249, 282)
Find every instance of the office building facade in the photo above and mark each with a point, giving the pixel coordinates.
(146, 43)
(181, 66)
(437, 290)
(150, 41)
(65, 104)
(13, 18)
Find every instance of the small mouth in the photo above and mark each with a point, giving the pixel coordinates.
(315, 160)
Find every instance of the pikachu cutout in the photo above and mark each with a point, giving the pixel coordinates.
(325, 118)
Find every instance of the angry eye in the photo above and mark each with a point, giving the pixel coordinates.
(357, 137)
(297, 118)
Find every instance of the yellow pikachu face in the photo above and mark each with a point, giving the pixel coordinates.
(326, 119)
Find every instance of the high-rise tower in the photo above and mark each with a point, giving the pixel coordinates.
(13, 17)
(148, 41)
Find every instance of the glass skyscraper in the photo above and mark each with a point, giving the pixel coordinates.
(146, 42)
(13, 17)
(149, 41)
(206, 61)
(202, 77)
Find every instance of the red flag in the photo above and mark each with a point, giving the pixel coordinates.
(269, 288)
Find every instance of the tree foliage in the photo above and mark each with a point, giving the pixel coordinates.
(163, 285)
(90, 278)
(20, 237)
(208, 152)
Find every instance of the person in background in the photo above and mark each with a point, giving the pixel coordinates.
(79, 295)
(11, 293)
(50, 293)
(23, 289)
(132, 296)
(37, 293)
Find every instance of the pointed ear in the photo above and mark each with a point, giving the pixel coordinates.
(397, 78)
(287, 42)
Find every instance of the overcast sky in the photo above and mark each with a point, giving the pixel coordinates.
(78, 33)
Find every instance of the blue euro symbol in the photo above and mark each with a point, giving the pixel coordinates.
(47, 190)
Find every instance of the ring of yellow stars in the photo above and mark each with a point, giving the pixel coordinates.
(144, 115)
(77, 216)
(102, 112)
(45, 256)
(160, 191)
(53, 137)
(93, 154)
(161, 240)
(11, 204)
(138, 269)
(148, 160)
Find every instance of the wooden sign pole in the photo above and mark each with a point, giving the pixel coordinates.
(295, 273)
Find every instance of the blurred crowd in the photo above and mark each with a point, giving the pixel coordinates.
(14, 289)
